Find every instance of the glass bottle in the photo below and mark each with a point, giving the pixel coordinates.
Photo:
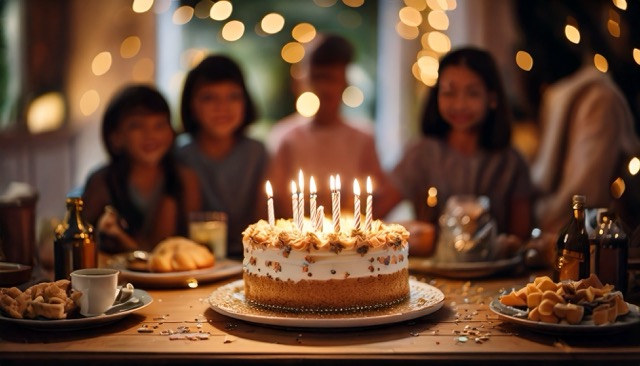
(572, 247)
(613, 252)
(74, 244)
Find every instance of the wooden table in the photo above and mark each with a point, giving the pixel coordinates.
(433, 339)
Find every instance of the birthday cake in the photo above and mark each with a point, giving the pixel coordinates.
(291, 269)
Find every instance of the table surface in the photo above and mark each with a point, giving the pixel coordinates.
(447, 336)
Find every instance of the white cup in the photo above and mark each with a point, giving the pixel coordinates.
(99, 287)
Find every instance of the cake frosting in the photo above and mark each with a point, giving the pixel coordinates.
(288, 268)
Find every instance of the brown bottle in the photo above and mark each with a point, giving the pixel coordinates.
(612, 252)
(572, 248)
(74, 244)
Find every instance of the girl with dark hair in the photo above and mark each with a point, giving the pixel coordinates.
(142, 196)
(216, 109)
(466, 149)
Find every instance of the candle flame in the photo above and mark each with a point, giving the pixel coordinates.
(356, 187)
(294, 189)
(369, 186)
(269, 189)
(312, 186)
(332, 183)
(338, 182)
(301, 181)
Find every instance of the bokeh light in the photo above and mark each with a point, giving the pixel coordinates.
(439, 42)
(620, 4)
(292, 52)
(419, 5)
(233, 30)
(143, 70)
(406, 31)
(600, 63)
(89, 102)
(410, 16)
(307, 104)
(572, 33)
(203, 9)
(524, 60)
(221, 10)
(130, 47)
(46, 113)
(304, 32)
(353, 3)
(182, 15)
(636, 55)
(101, 63)
(141, 6)
(634, 166)
(353, 96)
(438, 20)
(272, 23)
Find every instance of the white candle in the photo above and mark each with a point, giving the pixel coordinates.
(356, 204)
(300, 199)
(294, 202)
(369, 212)
(335, 201)
(312, 200)
(270, 212)
(320, 219)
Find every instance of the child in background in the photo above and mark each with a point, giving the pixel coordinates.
(142, 196)
(466, 149)
(216, 109)
(327, 145)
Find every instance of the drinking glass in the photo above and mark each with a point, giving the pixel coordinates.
(209, 228)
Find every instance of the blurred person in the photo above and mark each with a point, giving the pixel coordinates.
(326, 145)
(216, 109)
(586, 125)
(141, 196)
(465, 150)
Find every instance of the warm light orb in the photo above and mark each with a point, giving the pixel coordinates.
(407, 32)
(101, 63)
(353, 3)
(600, 63)
(634, 166)
(636, 55)
(438, 4)
(353, 96)
(419, 5)
(428, 66)
(438, 20)
(304, 32)
(233, 30)
(292, 52)
(572, 33)
(141, 6)
(272, 23)
(620, 4)
(307, 104)
(614, 28)
(160, 6)
(130, 47)
(46, 113)
(439, 42)
(182, 15)
(524, 60)
(89, 102)
(203, 9)
(617, 188)
(325, 3)
(410, 16)
(221, 10)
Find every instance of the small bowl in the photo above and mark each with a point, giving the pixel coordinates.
(13, 274)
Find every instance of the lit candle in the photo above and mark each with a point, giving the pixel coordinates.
(294, 202)
(312, 200)
(356, 204)
(369, 214)
(335, 200)
(300, 199)
(270, 213)
(320, 219)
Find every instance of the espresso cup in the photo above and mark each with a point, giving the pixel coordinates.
(99, 287)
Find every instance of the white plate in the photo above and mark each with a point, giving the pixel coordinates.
(586, 327)
(220, 270)
(424, 299)
(463, 270)
(82, 322)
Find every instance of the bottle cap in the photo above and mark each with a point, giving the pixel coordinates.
(578, 198)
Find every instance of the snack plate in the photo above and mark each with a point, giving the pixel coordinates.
(584, 328)
(463, 270)
(423, 299)
(82, 322)
(220, 270)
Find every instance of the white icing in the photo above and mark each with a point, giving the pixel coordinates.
(287, 254)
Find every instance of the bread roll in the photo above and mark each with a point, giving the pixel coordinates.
(179, 254)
